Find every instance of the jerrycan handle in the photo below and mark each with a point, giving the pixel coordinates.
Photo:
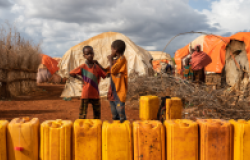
(18, 148)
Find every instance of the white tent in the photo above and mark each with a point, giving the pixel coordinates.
(138, 60)
(159, 55)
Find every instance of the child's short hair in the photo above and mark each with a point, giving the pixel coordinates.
(119, 45)
(86, 47)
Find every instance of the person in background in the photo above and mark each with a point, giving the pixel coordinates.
(169, 69)
(91, 73)
(119, 80)
(199, 61)
(188, 72)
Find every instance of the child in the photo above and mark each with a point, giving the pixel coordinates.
(91, 73)
(118, 87)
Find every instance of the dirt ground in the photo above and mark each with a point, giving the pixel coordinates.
(46, 104)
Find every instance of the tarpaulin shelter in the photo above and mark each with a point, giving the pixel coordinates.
(214, 46)
(237, 58)
(159, 58)
(47, 70)
(138, 60)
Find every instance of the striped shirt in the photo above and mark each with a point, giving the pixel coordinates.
(91, 78)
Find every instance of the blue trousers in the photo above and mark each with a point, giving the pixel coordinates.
(118, 110)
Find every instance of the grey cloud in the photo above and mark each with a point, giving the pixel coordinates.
(147, 23)
(5, 4)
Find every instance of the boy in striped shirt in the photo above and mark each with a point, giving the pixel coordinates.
(91, 73)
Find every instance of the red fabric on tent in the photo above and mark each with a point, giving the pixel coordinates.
(50, 63)
(200, 60)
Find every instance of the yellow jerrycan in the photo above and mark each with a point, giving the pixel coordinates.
(215, 139)
(241, 138)
(55, 140)
(87, 139)
(23, 138)
(174, 108)
(149, 140)
(3, 139)
(117, 141)
(149, 106)
(182, 139)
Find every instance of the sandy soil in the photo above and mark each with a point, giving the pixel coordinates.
(46, 104)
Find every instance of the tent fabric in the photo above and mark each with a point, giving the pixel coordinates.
(214, 46)
(158, 55)
(157, 64)
(200, 60)
(159, 58)
(43, 75)
(57, 59)
(50, 63)
(244, 37)
(179, 54)
(138, 60)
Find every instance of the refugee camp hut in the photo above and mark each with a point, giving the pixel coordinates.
(215, 47)
(237, 61)
(160, 60)
(138, 61)
(47, 71)
(19, 61)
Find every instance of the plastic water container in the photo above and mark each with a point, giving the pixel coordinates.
(55, 140)
(117, 141)
(149, 140)
(149, 106)
(3, 139)
(174, 108)
(241, 138)
(23, 138)
(87, 143)
(182, 139)
(215, 139)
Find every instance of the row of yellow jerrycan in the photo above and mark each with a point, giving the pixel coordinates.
(149, 107)
(210, 139)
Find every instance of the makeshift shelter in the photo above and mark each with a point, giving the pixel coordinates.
(237, 59)
(159, 59)
(47, 70)
(138, 61)
(214, 46)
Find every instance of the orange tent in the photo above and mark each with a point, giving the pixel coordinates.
(50, 63)
(244, 37)
(214, 46)
(157, 65)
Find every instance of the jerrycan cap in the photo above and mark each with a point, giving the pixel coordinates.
(18, 148)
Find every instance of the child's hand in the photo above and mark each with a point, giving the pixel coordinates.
(108, 75)
(96, 62)
(109, 56)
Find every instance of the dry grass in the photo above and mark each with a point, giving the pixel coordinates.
(20, 59)
(17, 53)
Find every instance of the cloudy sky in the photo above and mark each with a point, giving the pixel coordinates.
(61, 24)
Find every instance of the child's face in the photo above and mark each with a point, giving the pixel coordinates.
(88, 54)
(113, 52)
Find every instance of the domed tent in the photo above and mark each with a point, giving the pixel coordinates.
(160, 57)
(138, 61)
